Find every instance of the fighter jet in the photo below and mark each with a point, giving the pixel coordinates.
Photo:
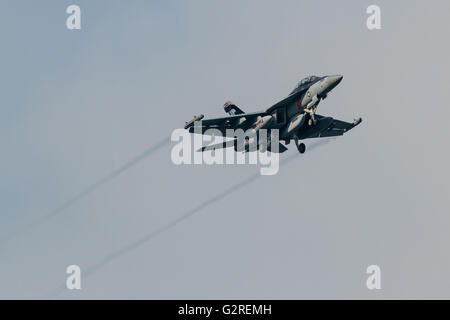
(295, 117)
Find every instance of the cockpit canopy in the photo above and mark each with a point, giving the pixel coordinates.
(305, 81)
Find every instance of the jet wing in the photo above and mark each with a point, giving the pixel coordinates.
(223, 123)
(336, 128)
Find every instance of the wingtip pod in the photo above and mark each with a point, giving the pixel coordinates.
(190, 123)
(357, 121)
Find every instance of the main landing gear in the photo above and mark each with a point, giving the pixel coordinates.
(300, 147)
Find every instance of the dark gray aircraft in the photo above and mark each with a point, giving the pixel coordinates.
(295, 117)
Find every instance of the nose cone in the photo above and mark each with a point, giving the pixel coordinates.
(333, 81)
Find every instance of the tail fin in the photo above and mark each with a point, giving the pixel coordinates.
(232, 109)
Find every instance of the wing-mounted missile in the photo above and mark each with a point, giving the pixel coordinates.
(262, 122)
(354, 124)
(191, 123)
(252, 141)
(357, 121)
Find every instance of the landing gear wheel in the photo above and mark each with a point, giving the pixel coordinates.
(301, 148)
(312, 122)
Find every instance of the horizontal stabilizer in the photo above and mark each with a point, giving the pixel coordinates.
(281, 148)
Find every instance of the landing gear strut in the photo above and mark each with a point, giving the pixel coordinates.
(300, 147)
(312, 120)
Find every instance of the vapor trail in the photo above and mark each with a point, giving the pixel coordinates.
(137, 243)
(90, 189)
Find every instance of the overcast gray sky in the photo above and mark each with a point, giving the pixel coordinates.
(78, 105)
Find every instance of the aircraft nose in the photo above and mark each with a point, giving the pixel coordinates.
(333, 81)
